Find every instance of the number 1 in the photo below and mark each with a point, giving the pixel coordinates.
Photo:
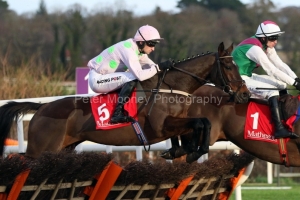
(255, 120)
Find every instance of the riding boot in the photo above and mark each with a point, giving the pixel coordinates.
(280, 130)
(124, 95)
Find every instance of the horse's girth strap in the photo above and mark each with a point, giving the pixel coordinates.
(172, 92)
(283, 151)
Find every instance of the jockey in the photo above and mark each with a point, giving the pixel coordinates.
(121, 65)
(258, 51)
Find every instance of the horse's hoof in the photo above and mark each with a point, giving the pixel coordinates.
(192, 157)
(180, 152)
(167, 155)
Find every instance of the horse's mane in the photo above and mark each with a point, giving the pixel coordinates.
(192, 57)
(289, 104)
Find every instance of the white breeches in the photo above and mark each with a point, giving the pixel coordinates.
(109, 82)
(263, 81)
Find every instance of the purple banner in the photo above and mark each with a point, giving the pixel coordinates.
(82, 86)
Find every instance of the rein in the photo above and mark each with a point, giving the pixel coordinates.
(192, 75)
(153, 95)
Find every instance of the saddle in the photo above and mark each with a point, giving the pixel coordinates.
(288, 105)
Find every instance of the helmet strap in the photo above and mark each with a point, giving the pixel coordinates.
(262, 30)
(141, 45)
(264, 41)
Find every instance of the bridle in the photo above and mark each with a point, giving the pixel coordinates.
(226, 83)
(226, 87)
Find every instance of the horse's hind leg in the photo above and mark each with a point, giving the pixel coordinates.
(45, 134)
(204, 147)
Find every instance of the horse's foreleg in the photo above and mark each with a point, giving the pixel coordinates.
(176, 151)
(204, 148)
(170, 154)
(188, 145)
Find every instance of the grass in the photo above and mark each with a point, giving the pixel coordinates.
(269, 194)
(29, 81)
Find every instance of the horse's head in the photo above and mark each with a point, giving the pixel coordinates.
(225, 74)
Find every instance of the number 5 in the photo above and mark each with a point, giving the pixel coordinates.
(104, 111)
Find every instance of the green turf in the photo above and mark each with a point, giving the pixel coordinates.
(277, 194)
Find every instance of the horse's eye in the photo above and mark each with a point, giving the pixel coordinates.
(227, 66)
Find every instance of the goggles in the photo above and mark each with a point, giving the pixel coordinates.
(272, 38)
(150, 43)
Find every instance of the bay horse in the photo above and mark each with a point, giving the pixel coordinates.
(66, 122)
(228, 120)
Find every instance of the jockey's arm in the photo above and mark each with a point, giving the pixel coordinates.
(131, 60)
(257, 55)
(275, 59)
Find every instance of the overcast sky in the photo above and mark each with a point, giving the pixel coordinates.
(139, 7)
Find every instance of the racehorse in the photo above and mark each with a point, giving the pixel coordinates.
(66, 122)
(228, 122)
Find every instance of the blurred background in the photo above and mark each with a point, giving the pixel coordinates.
(40, 50)
(59, 41)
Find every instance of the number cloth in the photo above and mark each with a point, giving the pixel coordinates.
(103, 106)
(258, 124)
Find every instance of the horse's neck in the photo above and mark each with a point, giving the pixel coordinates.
(173, 80)
(198, 69)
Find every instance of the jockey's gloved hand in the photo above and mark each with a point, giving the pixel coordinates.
(168, 64)
(297, 84)
(297, 79)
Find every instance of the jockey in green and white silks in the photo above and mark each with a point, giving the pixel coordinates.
(120, 65)
(259, 51)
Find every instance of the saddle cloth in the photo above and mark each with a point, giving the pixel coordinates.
(103, 106)
(259, 126)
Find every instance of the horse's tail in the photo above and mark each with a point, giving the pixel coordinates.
(10, 112)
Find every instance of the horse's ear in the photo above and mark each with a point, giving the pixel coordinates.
(221, 48)
(230, 48)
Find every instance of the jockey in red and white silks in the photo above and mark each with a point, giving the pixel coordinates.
(259, 51)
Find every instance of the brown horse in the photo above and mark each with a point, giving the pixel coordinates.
(228, 121)
(67, 122)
